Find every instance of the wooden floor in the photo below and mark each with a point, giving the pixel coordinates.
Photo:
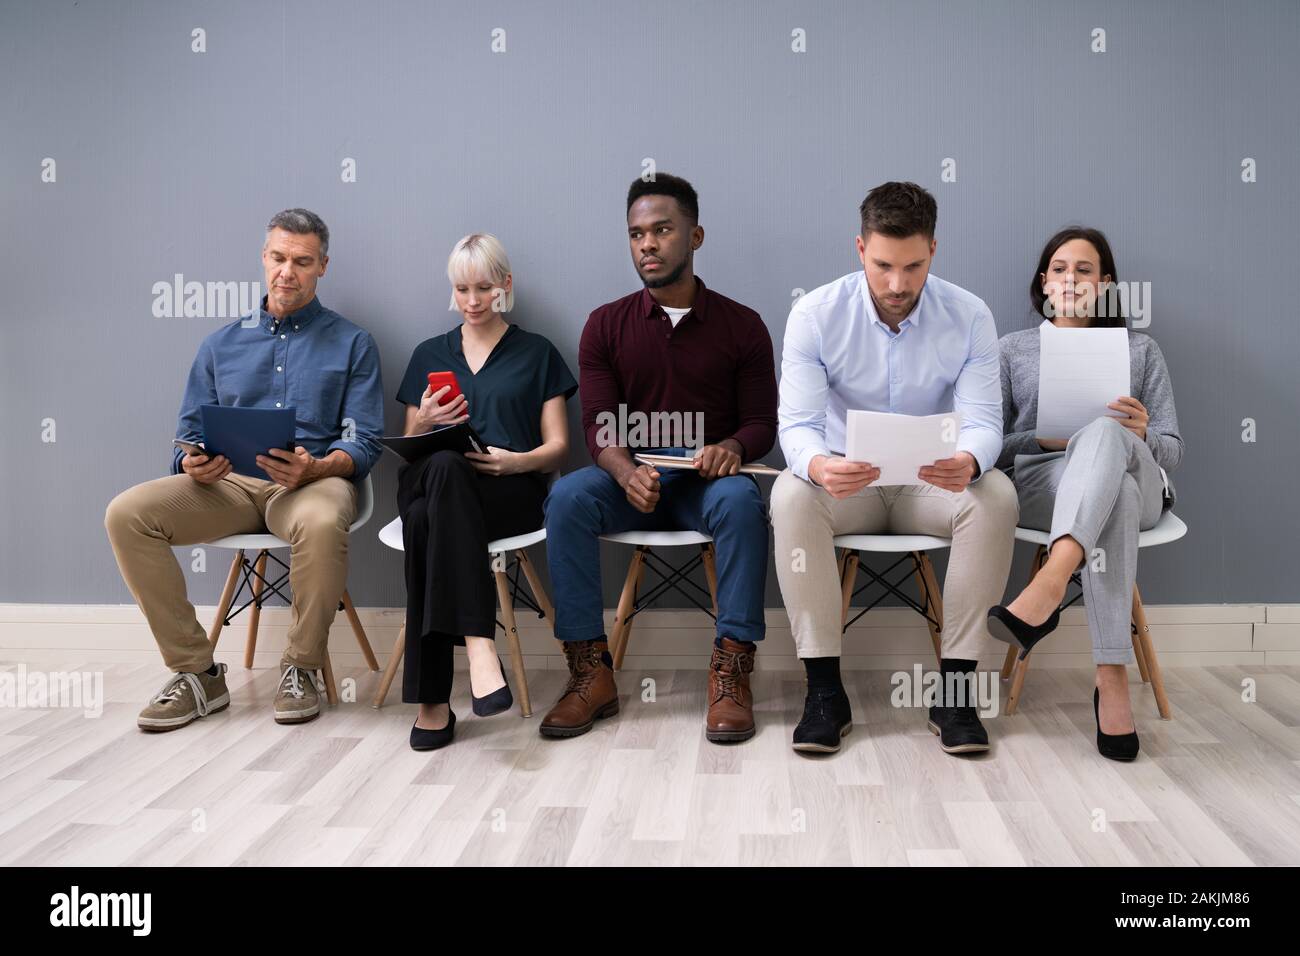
(1219, 784)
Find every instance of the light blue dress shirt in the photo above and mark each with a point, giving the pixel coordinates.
(839, 355)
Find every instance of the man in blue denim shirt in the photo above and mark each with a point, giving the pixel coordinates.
(297, 354)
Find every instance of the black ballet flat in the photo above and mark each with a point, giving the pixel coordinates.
(499, 701)
(1113, 746)
(422, 739)
(1009, 629)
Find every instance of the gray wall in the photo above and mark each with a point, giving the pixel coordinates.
(170, 161)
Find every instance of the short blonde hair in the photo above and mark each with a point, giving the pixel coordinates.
(476, 256)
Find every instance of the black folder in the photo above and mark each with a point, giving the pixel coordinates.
(459, 438)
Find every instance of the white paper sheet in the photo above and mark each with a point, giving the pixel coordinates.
(900, 445)
(1080, 371)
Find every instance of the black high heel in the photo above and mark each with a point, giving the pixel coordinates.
(1009, 629)
(1114, 746)
(424, 739)
(497, 702)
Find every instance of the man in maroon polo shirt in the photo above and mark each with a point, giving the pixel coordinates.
(678, 369)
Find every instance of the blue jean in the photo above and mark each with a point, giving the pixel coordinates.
(588, 503)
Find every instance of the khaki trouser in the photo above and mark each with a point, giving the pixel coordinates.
(981, 522)
(146, 521)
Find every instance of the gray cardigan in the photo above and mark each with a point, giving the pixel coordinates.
(1018, 353)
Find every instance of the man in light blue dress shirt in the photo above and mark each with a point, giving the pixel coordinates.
(292, 352)
(891, 338)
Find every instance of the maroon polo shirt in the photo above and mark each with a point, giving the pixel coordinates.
(718, 360)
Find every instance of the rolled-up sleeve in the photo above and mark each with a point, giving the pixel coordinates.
(977, 395)
(363, 408)
(803, 393)
(200, 389)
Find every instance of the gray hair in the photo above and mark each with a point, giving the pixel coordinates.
(302, 222)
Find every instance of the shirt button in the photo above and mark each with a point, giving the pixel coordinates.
(282, 335)
(279, 368)
(295, 328)
(277, 404)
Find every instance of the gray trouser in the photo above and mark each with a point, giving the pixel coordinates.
(1101, 491)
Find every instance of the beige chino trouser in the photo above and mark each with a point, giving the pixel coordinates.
(981, 522)
(146, 521)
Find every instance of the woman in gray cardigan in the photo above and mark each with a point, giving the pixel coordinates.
(1094, 492)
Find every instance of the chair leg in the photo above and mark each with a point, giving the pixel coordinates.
(390, 672)
(1139, 657)
(928, 584)
(255, 611)
(1149, 652)
(848, 578)
(535, 584)
(331, 689)
(227, 594)
(711, 573)
(512, 638)
(623, 627)
(366, 651)
(1015, 666)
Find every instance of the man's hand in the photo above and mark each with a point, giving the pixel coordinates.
(642, 488)
(1138, 417)
(290, 469)
(205, 470)
(717, 461)
(951, 474)
(840, 477)
(497, 461)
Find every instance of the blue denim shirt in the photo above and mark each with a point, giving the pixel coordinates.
(313, 360)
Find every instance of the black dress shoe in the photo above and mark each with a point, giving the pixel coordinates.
(1114, 746)
(496, 702)
(422, 739)
(827, 716)
(1008, 628)
(959, 729)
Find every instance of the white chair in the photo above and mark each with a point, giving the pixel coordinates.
(1169, 528)
(631, 602)
(505, 554)
(913, 549)
(250, 573)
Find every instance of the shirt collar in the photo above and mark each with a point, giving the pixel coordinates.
(297, 319)
(457, 345)
(647, 306)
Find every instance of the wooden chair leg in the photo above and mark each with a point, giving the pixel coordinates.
(1149, 652)
(622, 626)
(1017, 682)
(255, 611)
(512, 638)
(1009, 662)
(1138, 655)
(848, 578)
(535, 585)
(927, 583)
(227, 594)
(331, 689)
(366, 651)
(390, 672)
(711, 573)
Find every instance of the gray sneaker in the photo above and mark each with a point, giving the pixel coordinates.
(184, 699)
(296, 699)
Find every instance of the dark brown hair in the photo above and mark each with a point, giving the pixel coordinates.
(899, 210)
(1104, 318)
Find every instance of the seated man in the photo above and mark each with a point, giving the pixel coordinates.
(297, 354)
(891, 338)
(679, 348)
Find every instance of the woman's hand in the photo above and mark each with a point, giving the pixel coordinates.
(432, 415)
(497, 461)
(1137, 415)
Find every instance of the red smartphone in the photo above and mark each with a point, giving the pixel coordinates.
(438, 379)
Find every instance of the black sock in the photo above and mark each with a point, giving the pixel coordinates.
(823, 673)
(957, 665)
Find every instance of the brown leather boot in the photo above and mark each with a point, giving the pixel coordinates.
(731, 703)
(590, 693)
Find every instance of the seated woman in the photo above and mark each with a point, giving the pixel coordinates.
(1094, 492)
(514, 386)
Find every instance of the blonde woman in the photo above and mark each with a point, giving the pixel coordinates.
(513, 387)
